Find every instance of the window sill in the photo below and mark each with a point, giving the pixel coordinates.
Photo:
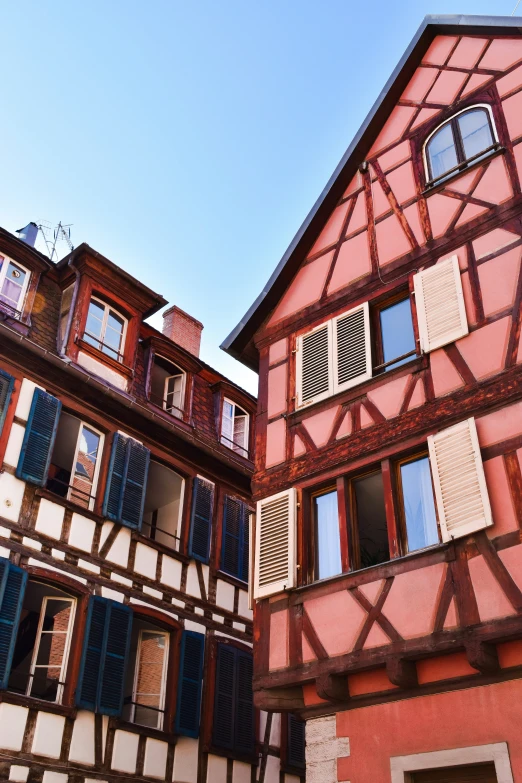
(437, 186)
(40, 704)
(163, 548)
(104, 358)
(147, 731)
(182, 420)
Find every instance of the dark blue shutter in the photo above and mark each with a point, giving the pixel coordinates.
(190, 683)
(243, 573)
(12, 587)
(126, 482)
(201, 519)
(6, 389)
(244, 723)
(105, 652)
(40, 433)
(232, 537)
(113, 490)
(224, 698)
(296, 742)
(134, 484)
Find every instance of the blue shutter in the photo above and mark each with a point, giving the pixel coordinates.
(296, 742)
(244, 713)
(113, 490)
(6, 389)
(12, 587)
(224, 698)
(234, 547)
(190, 683)
(40, 433)
(201, 519)
(134, 484)
(243, 574)
(104, 657)
(126, 481)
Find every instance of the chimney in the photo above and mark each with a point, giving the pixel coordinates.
(28, 234)
(182, 329)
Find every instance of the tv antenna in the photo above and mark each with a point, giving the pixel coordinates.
(53, 236)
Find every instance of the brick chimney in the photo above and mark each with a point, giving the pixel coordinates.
(182, 329)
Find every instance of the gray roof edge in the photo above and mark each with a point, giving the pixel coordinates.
(435, 21)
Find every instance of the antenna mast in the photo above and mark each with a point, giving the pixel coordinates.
(61, 233)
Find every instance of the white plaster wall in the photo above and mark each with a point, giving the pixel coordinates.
(54, 777)
(50, 518)
(88, 566)
(275, 730)
(273, 767)
(82, 532)
(155, 758)
(106, 529)
(146, 561)
(11, 496)
(242, 607)
(125, 751)
(114, 595)
(216, 769)
(82, 742)
(25, 399)
(99, 369)
(241, 772)
(171, 572)
(48, 734)
(193, 581)
(18, 773)
(185, 761)
(14, 445)
(225, 595)
(12, 726)
(119, 551)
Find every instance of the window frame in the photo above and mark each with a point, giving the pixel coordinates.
(243, 451)
(18, 312)
(325, 490)
(379, 366)
(181, 410)
(399, 499)
(97, 467)
(162, 713)
(463, 162)
(107, 309)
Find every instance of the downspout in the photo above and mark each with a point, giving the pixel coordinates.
(61, 348)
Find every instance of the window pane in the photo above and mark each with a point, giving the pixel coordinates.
(149, 678)
(12, 285)
(419, 505)
(371, 520)
(327, 535)
(442, 152)
(83, 476)
(397, 332)
(227, 424)
(95, 319)
(475, 132)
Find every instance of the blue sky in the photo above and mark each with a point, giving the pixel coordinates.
(187, 141)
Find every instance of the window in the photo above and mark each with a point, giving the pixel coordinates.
(418, 504)
(235, 539)
(75, 461)
(124, 499)
(395, 329)
(474, 773)
(294, 741)
(327, 539)
(146, 675)
(370, 527)
(6, 389)
(233, 701)
(163, 505)
(105, 329)
(14, 279)
(462, 140)
(201, 513)
(275, 546)
(42, 642)
(234, 428)
(167, 388)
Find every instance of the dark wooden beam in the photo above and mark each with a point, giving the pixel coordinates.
(482, 656)
(331, 687)
(401, 672)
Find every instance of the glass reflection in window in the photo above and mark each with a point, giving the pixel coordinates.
(328, 544)
(13, 280)
(396, 332)
(419, 504)
(104, 329)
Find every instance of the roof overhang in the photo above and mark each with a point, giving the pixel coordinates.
(239, 342)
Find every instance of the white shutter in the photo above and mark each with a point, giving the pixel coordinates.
(227, 424)
(174, 390)
(314, 365)
(460, 485)
(275, 564)
(241, 434)
(440, 305)
(352, 354)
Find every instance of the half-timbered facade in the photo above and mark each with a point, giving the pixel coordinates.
(388, 555)
(125, 624)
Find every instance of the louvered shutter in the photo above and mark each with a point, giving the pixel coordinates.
(201, 519)
(244, 718)
(224, 698)
(12, 587)
(104, 657)
(114, 488)
(232, 537)
(134, 484)
(352, 355)
(190, 683)
(275, 544)
(314, 365)
(295, 742)
(6, 389)
(245, 549)
(251, 542)
(440, 305)
(458, 476)
(39, 437)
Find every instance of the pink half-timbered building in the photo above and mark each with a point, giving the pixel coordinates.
(388, 554)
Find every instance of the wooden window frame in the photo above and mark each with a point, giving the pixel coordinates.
(463, 163)
(99, 458)
(399, 497)
(17, 312)
(314, 538)
(244, 450)
(378, 364)
(108, 308)
(181, 512)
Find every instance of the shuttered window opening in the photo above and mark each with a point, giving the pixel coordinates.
(440, 305)
(190, 683)
(126, 481)
(6, 389)
(104, 657)
(13, 581)
(314, 370)
(235, 543)
(460, 485)
(275, 544)
(201, 519)
(39, 437)
(352, 356)
(233, 727)
(295, 752)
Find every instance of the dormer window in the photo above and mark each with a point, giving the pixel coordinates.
(234, 428)
(460, 141)
(14, 279)
(168, 386)
(105, 329)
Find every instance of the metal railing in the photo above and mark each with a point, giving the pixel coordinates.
(161, 402)
(231, 444)
(70, 491)
(103, 345)
(155, 531)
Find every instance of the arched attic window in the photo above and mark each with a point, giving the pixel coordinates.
(460, 141)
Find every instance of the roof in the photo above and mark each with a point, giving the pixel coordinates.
(239, 342)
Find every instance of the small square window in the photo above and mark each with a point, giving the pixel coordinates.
(394, 335)
(105, 329)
